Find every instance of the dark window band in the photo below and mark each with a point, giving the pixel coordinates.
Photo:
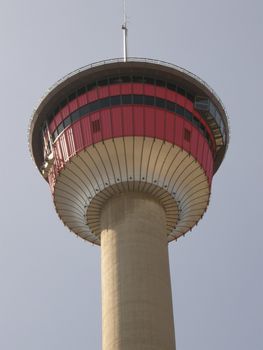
(132, 99)
(201, 103)
(122, 80)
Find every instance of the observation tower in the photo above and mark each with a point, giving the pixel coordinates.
(129, 149)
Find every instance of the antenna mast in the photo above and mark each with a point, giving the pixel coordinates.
(125, 32)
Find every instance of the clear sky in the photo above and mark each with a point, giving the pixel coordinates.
(49, 279)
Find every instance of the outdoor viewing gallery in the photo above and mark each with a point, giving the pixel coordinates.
(129, 149)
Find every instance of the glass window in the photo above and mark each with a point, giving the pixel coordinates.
(90, 86)
(190, 97)
(212, 109)
(75, 116)
(60, 128)
(196, 121)
(149, 80)
(55, 134)
(217, 117)
(181, 91)
(137, 79)
(201, 103)
(160, 102)
(138, 99)
(125, 79)
(105, 102)
(81, 91)
(149, 100)
(67, 121)
(50, 117)
(83, 110)
(188, 115)
(72, 96)
(127, 99)
(171, 86)
(63, 103)
(171, 106)
(202, 127)
(103, 82)
(115, 100)
(94, 106)
(160, 82)
(115, 80)
(180, 110)
(56, 110)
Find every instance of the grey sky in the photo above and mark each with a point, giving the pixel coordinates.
(49, 279)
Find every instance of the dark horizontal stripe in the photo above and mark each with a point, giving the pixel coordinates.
(122, 80)
(132, 99)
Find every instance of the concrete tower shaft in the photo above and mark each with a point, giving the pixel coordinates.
(137, 308)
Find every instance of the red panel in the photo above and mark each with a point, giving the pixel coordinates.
(194, 142)
(149, 90)
(187, 144)
(103, 91)
(126, 89)
(82, 99)
(77, 134)
(58, 119)
(64, 112)
(137, 88)
(179, 131)
(92, 95)
(52, 126)
(115, 89)
(160, 91)
(159, 120)
(200, 148)
(189, 105)
(86, 132)
(171, 95)
(117, 121)
(180, 100)
(149, 120)
(133, 120)
(169, 127)
(73, 105)
(138, 120)
(128, 121)
(106, 124)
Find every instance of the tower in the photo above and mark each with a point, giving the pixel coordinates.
(129, 150)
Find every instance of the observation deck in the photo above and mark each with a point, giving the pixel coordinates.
(142, 125)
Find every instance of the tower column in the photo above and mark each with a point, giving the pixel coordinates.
(137, 311)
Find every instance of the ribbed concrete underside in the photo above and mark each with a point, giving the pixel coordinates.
(131, 164)
(137, 311)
